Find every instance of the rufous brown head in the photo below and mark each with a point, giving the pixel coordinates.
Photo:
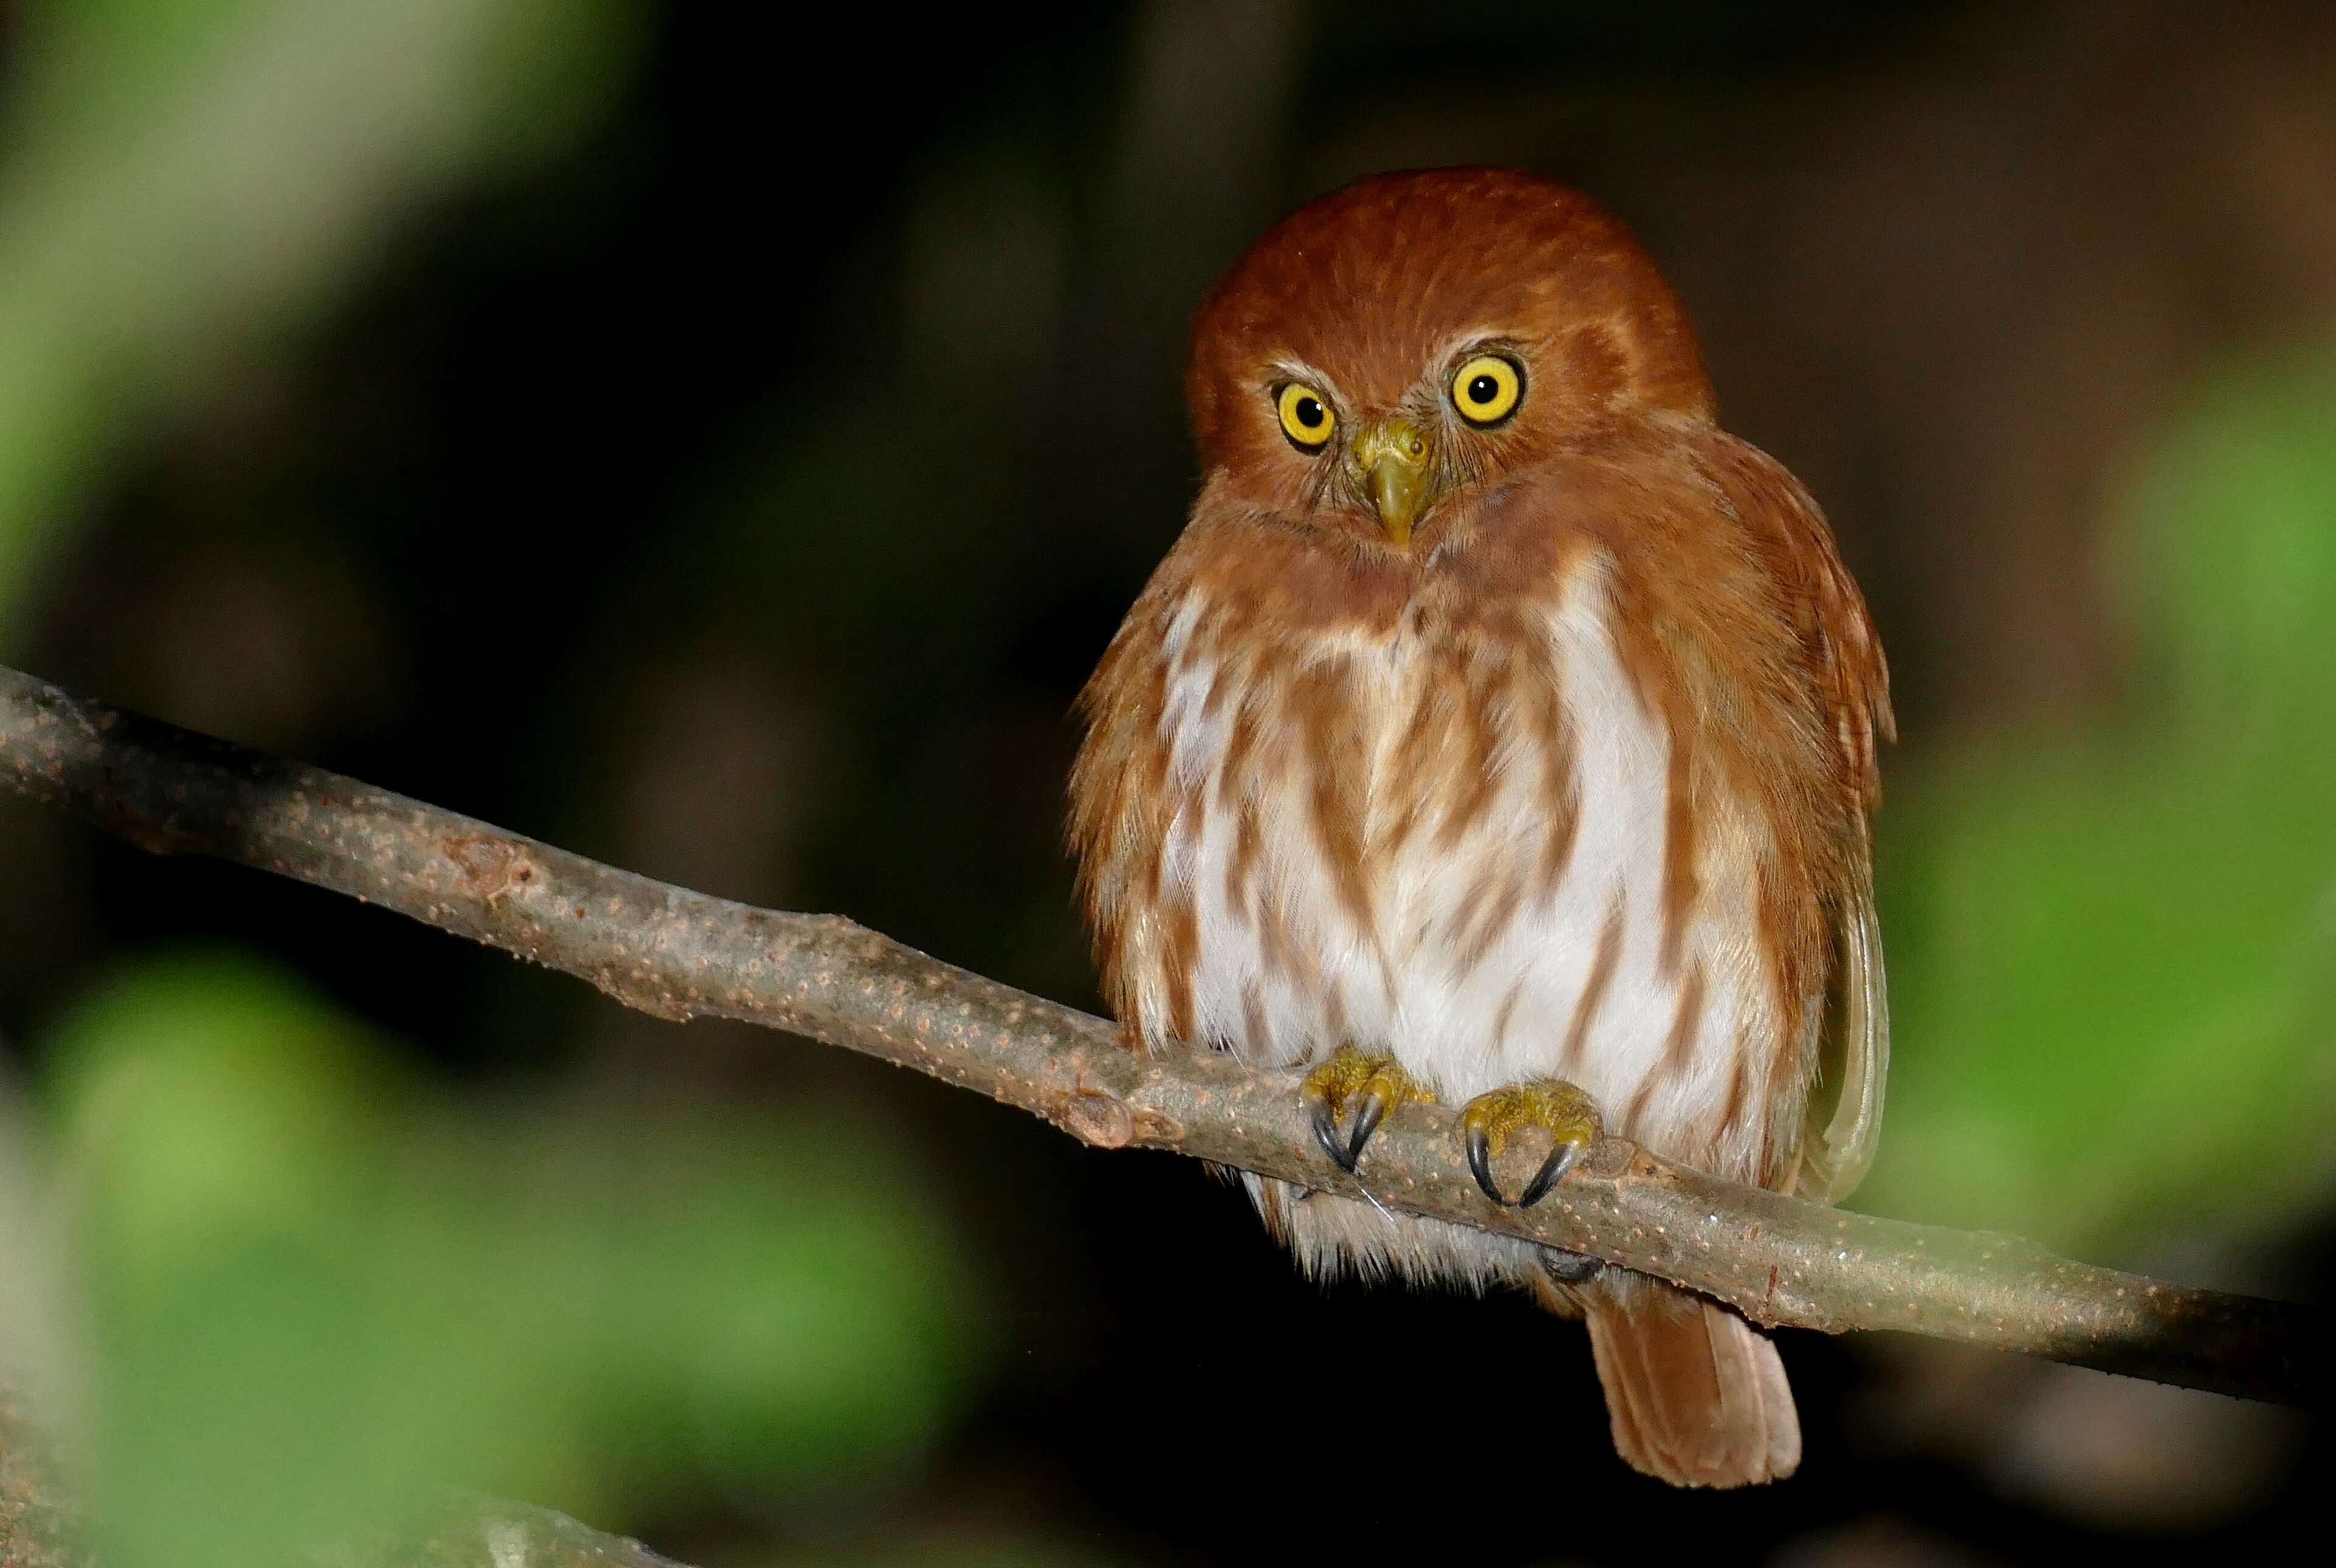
(1413, 337)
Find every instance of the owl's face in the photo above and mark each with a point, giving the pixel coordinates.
(1408, 342)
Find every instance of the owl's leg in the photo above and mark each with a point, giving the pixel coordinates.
(1563, 1110)
(1371, 1085)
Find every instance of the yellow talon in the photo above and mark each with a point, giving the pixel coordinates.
(1565, 1112)
(1373, 1084)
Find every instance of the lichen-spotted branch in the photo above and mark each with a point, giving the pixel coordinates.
(680, 955)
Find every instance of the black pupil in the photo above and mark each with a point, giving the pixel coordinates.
(1483, 390)
(1309, 413)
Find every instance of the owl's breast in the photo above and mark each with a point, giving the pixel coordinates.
(1451, 843)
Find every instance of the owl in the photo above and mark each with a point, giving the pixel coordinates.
(1500, 733)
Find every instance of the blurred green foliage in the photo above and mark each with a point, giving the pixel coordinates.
(314, 1289)
(186, 182)
(309, 1289)
(2114, 944)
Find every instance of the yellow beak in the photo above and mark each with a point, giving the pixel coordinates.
(1391, 458)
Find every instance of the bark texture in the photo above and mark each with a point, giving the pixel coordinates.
(678, 954)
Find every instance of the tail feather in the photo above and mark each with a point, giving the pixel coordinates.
(1697, 1395)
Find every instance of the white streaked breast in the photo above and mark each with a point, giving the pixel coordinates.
(1292, 974)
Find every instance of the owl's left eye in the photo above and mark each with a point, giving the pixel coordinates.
(1486, 389)
(1306, 418)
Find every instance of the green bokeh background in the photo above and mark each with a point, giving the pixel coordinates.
(2114, 944)
(317, 1288)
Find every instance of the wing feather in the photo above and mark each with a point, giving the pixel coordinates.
(1844, 1118)
(1843, 1124)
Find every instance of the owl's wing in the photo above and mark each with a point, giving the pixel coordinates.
(1844, 1120)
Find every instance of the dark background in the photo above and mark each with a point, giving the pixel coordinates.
(736, 480)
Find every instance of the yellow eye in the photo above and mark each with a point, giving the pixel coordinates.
(1486, 390)
(1306, 417)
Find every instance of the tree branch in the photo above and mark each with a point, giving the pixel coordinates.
(679, 954)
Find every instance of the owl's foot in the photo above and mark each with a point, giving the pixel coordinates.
(1370, 1084)
(1563, 1110)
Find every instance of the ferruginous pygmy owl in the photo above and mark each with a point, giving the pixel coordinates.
(1501, 732)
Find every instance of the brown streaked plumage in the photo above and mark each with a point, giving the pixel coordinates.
(1498, 717)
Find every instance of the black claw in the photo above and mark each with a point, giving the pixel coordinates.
(1570, 1268)
(1326, 1133)
(1372, 1112)
(1480, 1164)
(1552, 1171)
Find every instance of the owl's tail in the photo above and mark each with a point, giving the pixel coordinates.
(1698, 1396)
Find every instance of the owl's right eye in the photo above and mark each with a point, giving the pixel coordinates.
(1306, 417)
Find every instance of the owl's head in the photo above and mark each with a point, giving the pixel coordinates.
(1415, 336)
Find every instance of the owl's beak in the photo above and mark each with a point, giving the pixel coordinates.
(1391, 460)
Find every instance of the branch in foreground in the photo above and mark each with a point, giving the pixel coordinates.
(680, 955)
